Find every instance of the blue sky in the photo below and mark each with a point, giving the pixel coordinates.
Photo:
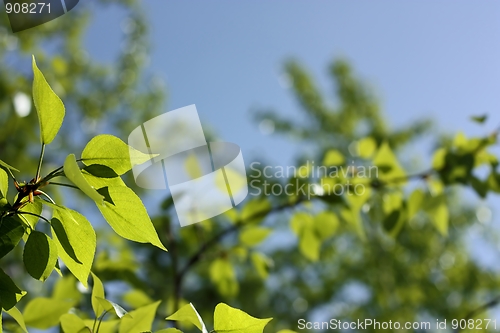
(424, 59)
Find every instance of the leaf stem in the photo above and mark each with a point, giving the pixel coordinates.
(65, 185)
(100, 320)
(40, 163)
(33, 214)
(47, 196)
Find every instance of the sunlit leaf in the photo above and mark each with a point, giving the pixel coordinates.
(128, 217)
(333, 158)
(231, 320)
(252, 235)
(43, 312)
(4, 165)
(110, 151)
(110, 306)
(366, 147)
(4, 183)
(326, 224)
(223, 276)
(140, 320)
(71, 323)
(309, 244)
(73, 173)
(49, 107)
(97, 292)
(255, 210)
(188, 313)
(18, 317)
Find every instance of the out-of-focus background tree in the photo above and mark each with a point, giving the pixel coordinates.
(369, 263)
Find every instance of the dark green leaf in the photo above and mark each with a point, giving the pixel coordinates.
(40, 255)
(11, 232)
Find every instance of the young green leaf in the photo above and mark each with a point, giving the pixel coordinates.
(10, 294)
(11, 232)
(4, 183)
(97, 292)
(76, 241)
(33, 208)
(4, 165)
(128, 217)
(310, 244)
(71, 323)
(18, 317)
(49, 107)
(231, 320)
(73, 173)
(223, 275)
(140, 320)
(109, 306)
(169, 330)
(110, 151)
(326, 224)
(44, 312)
(255, 210)
(252, 235)
(40, 255)
(188, 313)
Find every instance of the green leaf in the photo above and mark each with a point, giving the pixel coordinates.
(11, 232)
(387, 163)
(18, 317)
(255, 210)
(415, 202)
(33, 208)
(231, 320)
(128, 217)
(252, 236)
(326, 224)
(286, 331)
(112, 307)
(137, 298)
(101, 171)
(261, 264)
(76, 241)
(73, 173)
(223, 276)
(439, 159)
(439, 215)
(188, 313)
(10, 294)
(71, 323)
(4, 183)
(310, 245)
(301, 221)
(40, 255)
(479, 119)
(4, 165)
(44, 312)
(110, 151)
(97, 292)
(366, 147)
(167, 330)
(108, 326)
(65, 289)
(49, 107)
(141, 319)
(333, 158)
